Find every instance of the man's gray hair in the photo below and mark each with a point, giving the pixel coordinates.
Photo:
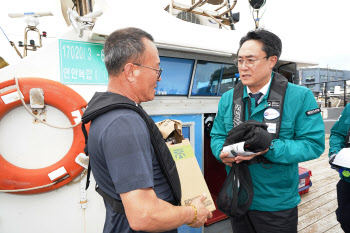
(123, 46)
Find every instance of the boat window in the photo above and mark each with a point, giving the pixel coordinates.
(230, 78)
(176, 76)
(207, 78)
(213, 79)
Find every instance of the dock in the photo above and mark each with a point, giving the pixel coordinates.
(317, 207)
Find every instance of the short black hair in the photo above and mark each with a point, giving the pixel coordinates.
(122, 46)
(272, 44)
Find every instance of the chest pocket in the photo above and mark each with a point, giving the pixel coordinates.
(228, 122)
(287, 130)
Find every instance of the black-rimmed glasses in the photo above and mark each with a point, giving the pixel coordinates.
(159, 71)
(249, 62)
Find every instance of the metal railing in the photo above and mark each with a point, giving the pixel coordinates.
(343, 96)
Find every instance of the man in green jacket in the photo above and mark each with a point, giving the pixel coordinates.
(293, 118)
(338, 140)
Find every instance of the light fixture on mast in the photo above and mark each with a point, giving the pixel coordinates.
(255, 6)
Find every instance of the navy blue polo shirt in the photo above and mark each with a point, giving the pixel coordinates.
(122, 159)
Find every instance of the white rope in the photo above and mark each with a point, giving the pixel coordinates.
(58, 127)
(34, 188)
(83, 174)
(28, 189)
(37, 118)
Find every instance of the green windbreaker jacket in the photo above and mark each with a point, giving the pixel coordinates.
(301, 138)
(338, 134)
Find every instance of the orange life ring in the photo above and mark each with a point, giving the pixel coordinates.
(66, 100)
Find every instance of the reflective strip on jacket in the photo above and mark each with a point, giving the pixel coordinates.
(301, 138)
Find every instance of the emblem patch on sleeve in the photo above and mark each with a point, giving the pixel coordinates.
(313, 111)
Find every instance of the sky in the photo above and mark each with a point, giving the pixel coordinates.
(311, 30)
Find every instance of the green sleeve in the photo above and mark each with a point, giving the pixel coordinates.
(339, 131)
(308, 141)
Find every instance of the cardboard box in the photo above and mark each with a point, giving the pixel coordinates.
(304, 180)
(171, 130)
(191, 177)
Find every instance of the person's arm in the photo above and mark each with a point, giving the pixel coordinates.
(146, 212)
(339, 132)
(309, 136)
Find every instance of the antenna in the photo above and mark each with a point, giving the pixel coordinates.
(26, 14)
(32, 20)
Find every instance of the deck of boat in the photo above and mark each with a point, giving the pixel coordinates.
(317, 207)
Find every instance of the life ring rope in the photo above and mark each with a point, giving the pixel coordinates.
(14, 179)
(47, 185)
(37, 118)
(34, 188)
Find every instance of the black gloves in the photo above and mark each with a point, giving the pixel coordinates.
(254, 135)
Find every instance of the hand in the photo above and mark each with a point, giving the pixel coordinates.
(240, 158)
(227, 160)
(203, 214)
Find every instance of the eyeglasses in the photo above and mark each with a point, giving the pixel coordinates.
(249, 62)
(159, 71)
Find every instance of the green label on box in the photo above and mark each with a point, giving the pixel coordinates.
(82, 63)
(182, 152)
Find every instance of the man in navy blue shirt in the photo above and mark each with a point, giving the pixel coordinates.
(122, 157)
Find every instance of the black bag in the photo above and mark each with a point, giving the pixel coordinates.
(236, 194)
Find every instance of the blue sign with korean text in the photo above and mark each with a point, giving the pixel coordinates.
(82, 63)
